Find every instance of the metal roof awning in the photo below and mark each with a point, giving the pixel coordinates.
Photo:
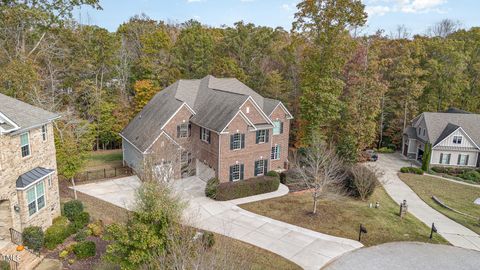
(33, 176)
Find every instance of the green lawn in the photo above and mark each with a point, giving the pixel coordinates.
(106, 159)
(457, 196)
(342, 217)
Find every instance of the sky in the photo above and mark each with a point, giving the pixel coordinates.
(415, 15)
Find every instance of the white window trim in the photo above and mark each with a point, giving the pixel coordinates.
(34, 187)
(260, 136)
(262, 166)
(456, 137)
(28, 144)
(183, 128)
(275, 155)
(239, 141)
(205, 133)
(238, 172)
(275, 127)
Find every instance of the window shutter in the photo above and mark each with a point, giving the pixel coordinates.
(267, 133)
(279, 151)
(257, 133)
(201, 130)
(178, 131)
(231, 173)
(255, 168)
(209, 136)
(231, 142)
(241, 171)
(281, 127)
(448, 158)
(189, 129)
(466, 161)
(243, 141)
(458, 160)
(441, 158)
(265, 167)
(272, 153)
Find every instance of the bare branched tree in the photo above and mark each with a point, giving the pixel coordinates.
(365, 180)
(444, 28)
(320, 168)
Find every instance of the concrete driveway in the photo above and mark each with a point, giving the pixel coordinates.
(408, 255)
(308, 249)
(455, 233)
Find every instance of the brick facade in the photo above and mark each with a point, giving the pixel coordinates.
(281, 139)
(12, 165)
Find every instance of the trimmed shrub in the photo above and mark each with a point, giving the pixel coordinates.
(386, 150)
(211, 188)
(362, 182)
(81, 220)
(283, 178)
(33, 237)
(63, 254)
(81, 235)
(272, 174)
(208, 239)
(244, 188)
(72, 209)
(471, 175)
(85, 249)
(58, 232)
(96, 228)
(413, 170)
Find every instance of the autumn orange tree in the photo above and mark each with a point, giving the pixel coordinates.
(144, 92)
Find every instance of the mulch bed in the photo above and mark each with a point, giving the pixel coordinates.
(87, 263)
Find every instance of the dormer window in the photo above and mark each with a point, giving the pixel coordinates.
(457, 139)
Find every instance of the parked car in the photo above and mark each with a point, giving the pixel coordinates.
(371, 155)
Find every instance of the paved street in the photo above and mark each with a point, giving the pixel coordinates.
(309, 249)
(408, 255)
(455, 233)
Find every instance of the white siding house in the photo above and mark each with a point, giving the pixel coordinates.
(453, 135)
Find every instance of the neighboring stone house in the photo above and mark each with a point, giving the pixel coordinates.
(221, 127)
(454, 136)
(28, 179)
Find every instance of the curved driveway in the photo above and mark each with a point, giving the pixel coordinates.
(455, 233)
(307, 248)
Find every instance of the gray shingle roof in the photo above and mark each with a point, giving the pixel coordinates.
(215, 102)
(442, 124)
(22, 114)
(32, 176)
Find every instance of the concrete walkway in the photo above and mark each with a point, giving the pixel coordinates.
(308, 249)
(408, 255)
(453, 232)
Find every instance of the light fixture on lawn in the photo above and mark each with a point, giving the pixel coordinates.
(361, 230)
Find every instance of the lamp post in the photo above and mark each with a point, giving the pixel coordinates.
(362, 230)
(434, 230)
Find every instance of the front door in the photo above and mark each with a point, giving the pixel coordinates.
(5, 220)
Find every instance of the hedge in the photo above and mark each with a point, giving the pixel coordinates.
(413, 170)
(471, 175)
(244, 188)
(386, 150)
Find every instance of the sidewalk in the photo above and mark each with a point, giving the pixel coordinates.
(307, 248)
(453, 232)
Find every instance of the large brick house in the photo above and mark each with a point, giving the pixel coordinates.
(28, 179)
(219, 125)
(454, 136)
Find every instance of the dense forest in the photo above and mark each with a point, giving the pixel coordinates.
(354, 89)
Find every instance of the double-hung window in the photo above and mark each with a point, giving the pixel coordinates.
(261, 167)
(457, 139)
(183, 130)
(25, 144)
(275, 152)
(205, 135)
(44, 133)
(277, 127)
(236, 172)
(36, 198)
(462, 160)
(262, 136)
(445, 158)
(237, 141)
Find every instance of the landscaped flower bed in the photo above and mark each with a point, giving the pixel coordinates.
(462, 174)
